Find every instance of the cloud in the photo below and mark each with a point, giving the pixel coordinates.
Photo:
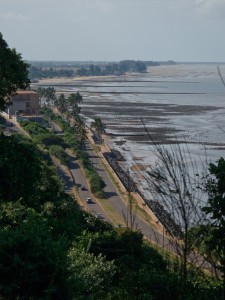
(213, 8)
(193, 8)
(105, 6)
(102, 5)
(12, 16)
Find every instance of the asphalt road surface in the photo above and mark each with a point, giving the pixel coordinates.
(83, 188)
(118, 204)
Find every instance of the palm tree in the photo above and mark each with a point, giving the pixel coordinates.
(73, 108)
(80, 129)
(99, 128)
(61, 103)
(50, 95)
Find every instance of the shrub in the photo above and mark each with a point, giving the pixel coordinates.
(59, 152)
(47, 139)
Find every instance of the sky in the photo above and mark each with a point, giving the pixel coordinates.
(113, 30)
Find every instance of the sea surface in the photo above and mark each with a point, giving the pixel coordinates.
(182, 103)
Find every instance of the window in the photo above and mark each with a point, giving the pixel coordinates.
(27, 104)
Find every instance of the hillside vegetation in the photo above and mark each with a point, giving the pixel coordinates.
(51, 249)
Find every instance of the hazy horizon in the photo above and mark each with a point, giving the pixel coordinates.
(114, 61)
(115, 30)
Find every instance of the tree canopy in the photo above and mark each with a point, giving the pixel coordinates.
(215, 208)
(13, 72)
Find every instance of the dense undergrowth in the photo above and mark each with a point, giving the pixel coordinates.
(50, 249)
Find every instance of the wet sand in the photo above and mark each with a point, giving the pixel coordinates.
(177, 104)
(142, 122)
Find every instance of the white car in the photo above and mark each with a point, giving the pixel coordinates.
(99, 216)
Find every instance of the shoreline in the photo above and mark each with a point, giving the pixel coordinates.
(105, 147)
(178, 108)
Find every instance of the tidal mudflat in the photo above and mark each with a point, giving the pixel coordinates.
(184, 103)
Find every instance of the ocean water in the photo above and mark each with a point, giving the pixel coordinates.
(182, 102)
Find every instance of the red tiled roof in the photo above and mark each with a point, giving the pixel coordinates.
(25, 92)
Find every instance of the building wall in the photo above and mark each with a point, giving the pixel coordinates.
(25, 103)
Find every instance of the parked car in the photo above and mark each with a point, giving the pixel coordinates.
(89, 200)
(83, 188)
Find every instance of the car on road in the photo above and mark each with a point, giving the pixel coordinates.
(89, 200)
(83, 188)
(99, 216)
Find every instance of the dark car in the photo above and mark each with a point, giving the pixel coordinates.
(89, 200)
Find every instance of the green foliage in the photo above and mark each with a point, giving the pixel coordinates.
(75, 97)
(64, 218)
(112, 68)
(113, 245)
(2, 120)
(59, 152)
(43, 72)
(33, 128)
(90, 276)
(48, 93)
(61, 103)
(141, 271)
(50, 249)
(24, 175)
(98, 125)
(132, 66)
(71, 140)
(20, 168)
(79, 128)
(31, 261)
(215, 208)
(202, 239)
(99, 129)
(37, 230)
(13, 72)
(97, 184)
(49, 185)
(47, 112)
(93, 224)
(215, 187)
(48, 139)
(216, 191)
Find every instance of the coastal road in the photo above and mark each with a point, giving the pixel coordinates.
(79, 181)
(83, 187)
(117, 203)
(113, 197)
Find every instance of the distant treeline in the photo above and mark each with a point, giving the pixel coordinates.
(159, 63)
(113, 68)
(39, 70)
(44, 72)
